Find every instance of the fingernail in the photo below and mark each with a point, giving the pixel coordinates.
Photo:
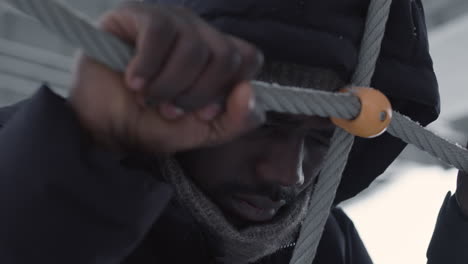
(252, 103)
(170, 111)
(137, 84)
(260, 59)
(256, 116)
(210, 112)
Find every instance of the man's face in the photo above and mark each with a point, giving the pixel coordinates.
(254, 176)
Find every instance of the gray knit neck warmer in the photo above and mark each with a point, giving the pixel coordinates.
(235, 246)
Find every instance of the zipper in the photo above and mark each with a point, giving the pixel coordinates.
(292, 244)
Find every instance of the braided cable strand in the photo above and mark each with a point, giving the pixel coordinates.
(342, 142)
(411, 132)
(294, 100)
(371, 43)
(322, 198)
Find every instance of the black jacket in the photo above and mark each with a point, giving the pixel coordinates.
(64, 201)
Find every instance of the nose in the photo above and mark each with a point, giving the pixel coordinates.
(281, 163)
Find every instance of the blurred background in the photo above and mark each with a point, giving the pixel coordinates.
(395, 216)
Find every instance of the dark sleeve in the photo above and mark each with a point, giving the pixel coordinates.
(62, 200)
(449, 242)
(340, 242)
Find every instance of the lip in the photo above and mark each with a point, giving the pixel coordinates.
(255, 208)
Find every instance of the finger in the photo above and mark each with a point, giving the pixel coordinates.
(252, 59)
(209, 112)
(217, 78)
(185, 63)
(241, 116)
(170, 111)
(234, 61)
(251, 64)
(154, 45)
(148, 28)
(119, 21)
(189, 132)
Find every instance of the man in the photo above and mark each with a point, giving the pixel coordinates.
(170, 163)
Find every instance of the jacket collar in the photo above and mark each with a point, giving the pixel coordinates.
(6, 113)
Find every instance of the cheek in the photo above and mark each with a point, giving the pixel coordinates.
(314, 159)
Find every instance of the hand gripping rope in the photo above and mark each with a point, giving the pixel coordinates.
(363, 112)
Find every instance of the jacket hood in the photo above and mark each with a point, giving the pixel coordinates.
(327, 34)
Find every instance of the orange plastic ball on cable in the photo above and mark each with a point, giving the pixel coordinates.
(375, 115)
